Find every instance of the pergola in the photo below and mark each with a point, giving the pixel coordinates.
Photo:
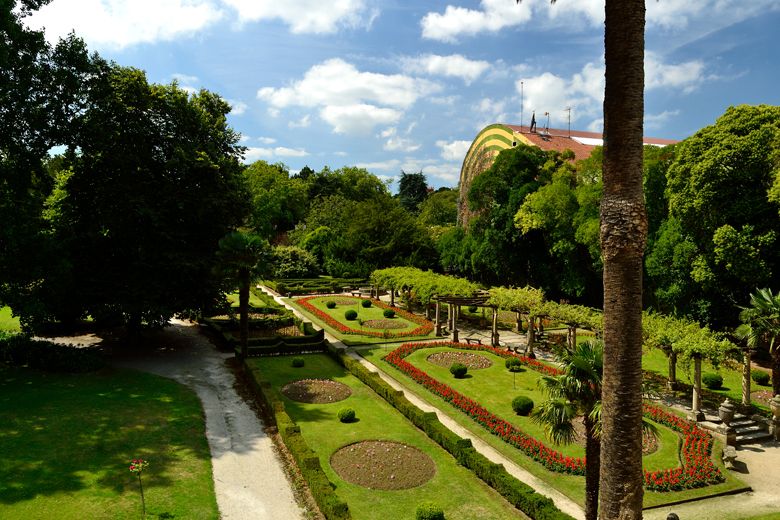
(454, 304)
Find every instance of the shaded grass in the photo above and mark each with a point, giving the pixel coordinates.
(572, 486)
(454, 488)
(254, 300)
(8, 322)
(67, 441)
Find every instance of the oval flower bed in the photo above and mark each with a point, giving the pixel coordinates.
(698, 470)
(425, 327)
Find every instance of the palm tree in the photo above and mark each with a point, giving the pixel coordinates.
(576, 392)
(623, 236)
(242, 256)
(761, 325)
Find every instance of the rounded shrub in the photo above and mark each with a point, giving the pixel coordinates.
(513, 364)
(429, 511)
(330, 304)
(712, 380)
(458, 370)
(350, 314)
(760, 377)
(346, 415)
(366, 304)
(473, 309)
(389, 313)
(297, 362)
(522, 405)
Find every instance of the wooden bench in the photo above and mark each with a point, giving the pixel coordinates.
(473, 341)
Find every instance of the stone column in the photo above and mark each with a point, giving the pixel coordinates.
(696, 413)
(494, 330)
(530, 338)
(519, 322)
(571, 337)
(392, 296)
(671, 383)
(438, 318)
(746, 378)
(774, 405)
(455, 309)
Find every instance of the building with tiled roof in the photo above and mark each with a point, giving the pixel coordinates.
(494, 138)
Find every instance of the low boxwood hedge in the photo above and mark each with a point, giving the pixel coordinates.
(22, 350)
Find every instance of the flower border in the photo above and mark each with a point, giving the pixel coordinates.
(698, 471)
(425, 326)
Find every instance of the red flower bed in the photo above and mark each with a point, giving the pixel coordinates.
(698, 468)
(425, 326)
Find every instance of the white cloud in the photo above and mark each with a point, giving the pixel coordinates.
(444, 100)
(655, 121)
(303, 122)
(453, 150)
(395, 142)
(117, 24)
(237, 107)
(307, 16)
(340, 154)
(449, 172)
(685, 76)
(392, 164)
(459, 21)
(351, 101)
(254, 153)
(266, 140)
(453, 65)
(184, 79)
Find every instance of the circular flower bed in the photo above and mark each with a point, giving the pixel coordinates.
(472, 361)
(316, 391)
(384, 324)
(383, 465)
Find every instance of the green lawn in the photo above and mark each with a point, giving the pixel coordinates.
(493, 387)
(456, 489)
(254, 300)
(370, 313)
(7, 321)
(67, 441)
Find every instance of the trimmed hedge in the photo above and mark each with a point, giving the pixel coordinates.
(388, 313)
(760, 377)
(322, 489)
(428, 511)
(22, 350)
(346, 415)
(522, 405)
(297, 286)
(712, 380)
(350, 314)
(458, 370)
(517, 493)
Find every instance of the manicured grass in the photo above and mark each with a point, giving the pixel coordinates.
(7, 321)
(454, 488)
(253, 300)
(502, 390)
(370, 313)
(67, 441)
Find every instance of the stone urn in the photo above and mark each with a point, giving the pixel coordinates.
(726, 412)
(774, 405)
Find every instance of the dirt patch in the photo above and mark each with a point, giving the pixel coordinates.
(343, 301)
(383, 465)
(384, 324)
(761, 396)
(473, 361)
(316, 391)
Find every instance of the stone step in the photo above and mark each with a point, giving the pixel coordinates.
(754, 438)
(743, 430)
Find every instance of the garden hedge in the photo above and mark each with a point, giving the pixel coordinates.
(22, 350)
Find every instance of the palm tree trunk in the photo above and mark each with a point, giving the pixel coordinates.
(592, 465)
(623, 235)
(776, 370)
(243, 309)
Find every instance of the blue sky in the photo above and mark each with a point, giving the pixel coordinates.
(407, 85)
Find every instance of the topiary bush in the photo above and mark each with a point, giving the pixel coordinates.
(429, 511)
(712, 380)
(760, 377)
(458, 370)
(389, 313)
(350, 314)
(522, 405)
(366, 304)
(297, 362)
(330, 304)
(513, 364)
(346, 415)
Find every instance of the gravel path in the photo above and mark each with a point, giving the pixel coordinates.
(248, 477)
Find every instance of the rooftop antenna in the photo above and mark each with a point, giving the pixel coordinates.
(568, 109)
(521, 105)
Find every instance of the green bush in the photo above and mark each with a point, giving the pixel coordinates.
(459, 370)
(350, 314)
(346, 415)
(297, 362)
(293, 262)
(366, 304)
(522, 405)
(712, 380)
(330, 304)
(473, 309)
(429, 511)
(760, 377)
(389, 313)
(22, 350)
(513, 364)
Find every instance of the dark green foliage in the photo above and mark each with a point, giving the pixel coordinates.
(412, 190)
(21, 350)
(388, 313)
(366, 304)
(330, 304)
(428, 511)
(712, 380)
(350, 314)
(458, 370)
(346, 415)
(293, 262)
(439, 209)
(278, 200)
(297, 362)
(760, 377)
(473, 309)
(513, 364)
(522, 405)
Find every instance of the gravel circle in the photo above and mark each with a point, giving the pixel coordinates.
(472, 361)
(384, 465)
(343, 301)
(384, 324)
(316, 391)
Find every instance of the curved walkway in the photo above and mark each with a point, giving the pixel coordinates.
(248, 477)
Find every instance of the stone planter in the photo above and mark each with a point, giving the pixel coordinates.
(726, 412)
(774, 405)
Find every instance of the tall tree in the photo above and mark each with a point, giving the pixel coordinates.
(761, 324)
(412, 190)
(623, 235)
